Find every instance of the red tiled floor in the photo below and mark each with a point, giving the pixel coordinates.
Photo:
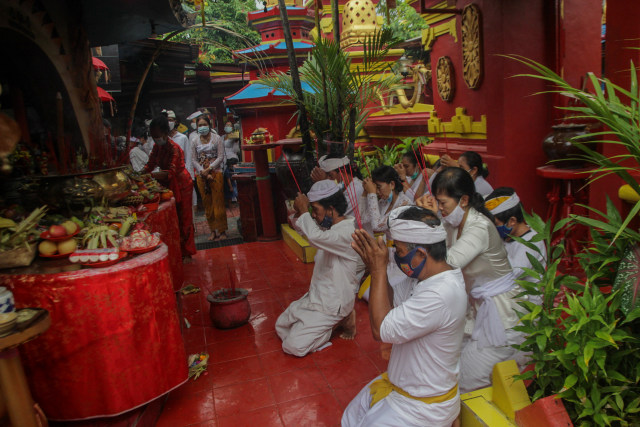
(235, 371)
(278, 361)
(292, 385)
(250, 381)
(186, 409)
(265, 417)
(319, 410)
(243, 397)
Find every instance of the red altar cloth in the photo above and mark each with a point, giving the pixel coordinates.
(165, 222)
(114, 342)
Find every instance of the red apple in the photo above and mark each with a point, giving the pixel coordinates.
(57, 231)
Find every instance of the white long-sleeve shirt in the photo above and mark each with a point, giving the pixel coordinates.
(426, 330)
(333, 283)
(378, 210)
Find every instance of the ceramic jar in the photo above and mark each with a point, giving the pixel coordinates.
(559, 148)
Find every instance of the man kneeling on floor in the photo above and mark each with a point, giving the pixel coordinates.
(307, 324)
(425, 327)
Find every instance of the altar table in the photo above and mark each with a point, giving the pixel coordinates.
(114, 342)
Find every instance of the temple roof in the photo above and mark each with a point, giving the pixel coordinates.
(275, 48)
(255, 93)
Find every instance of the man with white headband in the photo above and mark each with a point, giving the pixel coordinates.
(425, 326)
(306, 325)
(506, 208)
(348, 178)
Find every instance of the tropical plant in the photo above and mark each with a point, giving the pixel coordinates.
(389, 154)
(582, 346)
(337, 92)
(226, 30)
(621, 120)
(404, 21)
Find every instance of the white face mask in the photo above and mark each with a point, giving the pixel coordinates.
(172, 125)
(454, 218)
(160, 141)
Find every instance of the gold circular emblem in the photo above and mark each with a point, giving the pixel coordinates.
(471, 28)
(445, 78)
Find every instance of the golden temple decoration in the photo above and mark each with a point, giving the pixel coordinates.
(429, 35)
(472, 46)
(359, 22)
(421, 75)
(445, 78)
(460, 126)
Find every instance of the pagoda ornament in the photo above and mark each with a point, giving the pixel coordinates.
(471, 29)
(359, 22)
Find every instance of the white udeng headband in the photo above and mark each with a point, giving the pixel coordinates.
(502, 203)
(329, 165)
(409, 231)
(322, 189)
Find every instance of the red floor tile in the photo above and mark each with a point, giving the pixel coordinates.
(266, 343)
(278, 361)
(231, 350)
(214, 335)
(340, 349)
(263, 295)
(346, 394)
(269, 307)
(319, 410)
(186, 409)
(210, 423)
(202, 384)
(376, 358)
(235, 371)
(243, 397)
(296, 384)
(265, 417)
(264, 322)
(349, 371)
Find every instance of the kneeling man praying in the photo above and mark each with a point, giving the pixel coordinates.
(306, 325)
(425, 328)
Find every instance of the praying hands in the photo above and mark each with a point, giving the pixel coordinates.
(301, 204)
(374, 252)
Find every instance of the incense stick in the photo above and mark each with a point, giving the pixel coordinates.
(291, 170)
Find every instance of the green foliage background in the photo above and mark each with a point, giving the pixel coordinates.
(229, 30)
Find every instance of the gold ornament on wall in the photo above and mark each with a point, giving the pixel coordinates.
(471, 28)
(445, 78)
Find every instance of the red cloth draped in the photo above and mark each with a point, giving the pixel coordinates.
(165, 222)
(114, 342)
(169, 157)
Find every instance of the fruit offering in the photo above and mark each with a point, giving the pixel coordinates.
(139, 239)
(100, 236)
(13, 235)
(49, 248)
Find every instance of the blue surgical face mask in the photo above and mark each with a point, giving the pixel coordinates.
(504, 231)
(327, 222)
(203, 130)
(228, 129)
(415, 175)
(404, 263)
(390, 198)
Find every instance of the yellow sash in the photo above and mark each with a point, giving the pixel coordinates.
(381, 388)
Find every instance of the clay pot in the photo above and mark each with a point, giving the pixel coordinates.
(559, 148)
(229, 308)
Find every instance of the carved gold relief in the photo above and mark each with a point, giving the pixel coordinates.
(471, 27)
(445, 78)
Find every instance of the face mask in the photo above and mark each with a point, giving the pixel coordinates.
(194, 126)
(203, 130)
(228, 129)
(390, 198)
(404, 263)
(504, 231)
(327, 222)
(172, 125)
(415, 175)
(454, 218)
(160, 141)
(341, 186)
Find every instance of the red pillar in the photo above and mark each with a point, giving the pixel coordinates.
(621, 43)
(263, 182)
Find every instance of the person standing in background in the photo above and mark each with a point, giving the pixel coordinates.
(208, 161)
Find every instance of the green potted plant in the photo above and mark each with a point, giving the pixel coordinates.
(583, 339)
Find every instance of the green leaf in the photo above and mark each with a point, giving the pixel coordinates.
(588, 353)
(541, 340)
(570, 381)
